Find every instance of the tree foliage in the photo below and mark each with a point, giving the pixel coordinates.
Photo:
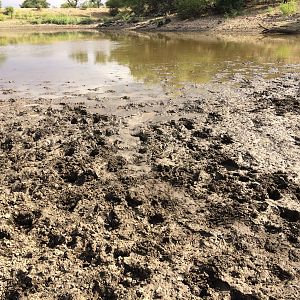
(184, 8)
(35, 4)
(93, 3)
(70, 3)
(229, 6)
(144, 7)
(192, 8)
(9, 11)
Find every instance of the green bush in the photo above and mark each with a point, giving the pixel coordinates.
(288, 8)
(114, 6)
(229, 6)
(9, 11)
(35, 4)
(61, 20)
(192, 8)
(115, 3)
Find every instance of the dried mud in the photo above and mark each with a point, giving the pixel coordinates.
(194, 197)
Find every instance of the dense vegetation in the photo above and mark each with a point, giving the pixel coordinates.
(9, 11)
(35, 4)
(187, 8)
(81, 4)
(129, 10)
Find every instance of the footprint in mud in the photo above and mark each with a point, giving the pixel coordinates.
(188, 124)
(139, 273)
(116, 163)
(113, 198)
(133, 201)
(55, 240)
(230, 165)
(226, 139)
(282, 274)
(12, 294)
(104, 291)
(7, 144)
(205, 133)
(156, 219)
(274, 194)
(214, 117)
(4, 234)
(66, 296)
(26, 219)
(112, 221)
(70, 151)
(289, 215)
(70, 201)
(75, 174)
(90, 255)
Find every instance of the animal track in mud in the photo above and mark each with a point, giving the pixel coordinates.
(203, 221)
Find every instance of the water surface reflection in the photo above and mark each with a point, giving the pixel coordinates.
(91, 58)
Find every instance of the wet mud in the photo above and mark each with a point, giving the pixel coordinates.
(198, 201)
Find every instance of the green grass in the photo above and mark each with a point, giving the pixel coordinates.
(289, 8)
(270, 10)
(61, 20)
(23, 15)
(46, 16)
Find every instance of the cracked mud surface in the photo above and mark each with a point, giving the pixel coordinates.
(194, 197)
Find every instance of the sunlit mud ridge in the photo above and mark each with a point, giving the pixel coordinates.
(200, 201)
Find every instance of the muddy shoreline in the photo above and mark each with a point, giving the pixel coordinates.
(194, 196)
(251, 23)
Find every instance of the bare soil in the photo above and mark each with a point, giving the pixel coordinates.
(251, 22)
(195, 196)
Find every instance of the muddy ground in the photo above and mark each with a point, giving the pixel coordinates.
(250, 22)
(193, 196)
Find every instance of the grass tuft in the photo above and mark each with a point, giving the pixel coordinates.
(289, 8)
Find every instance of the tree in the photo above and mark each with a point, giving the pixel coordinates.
(9, 11)
(70, 3)
(147, 7)
(114, 6)
(91, 4)
(229, 6)
(95, 3)
(35, 4)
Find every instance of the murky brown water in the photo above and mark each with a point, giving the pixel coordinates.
(90, 60)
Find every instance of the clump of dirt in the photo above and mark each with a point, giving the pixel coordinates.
(199, 202)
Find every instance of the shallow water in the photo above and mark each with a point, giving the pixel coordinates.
(78, 60)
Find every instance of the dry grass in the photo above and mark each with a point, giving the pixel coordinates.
(76, 12)
(60, 16)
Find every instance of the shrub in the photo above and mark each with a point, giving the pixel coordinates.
(229, 6)
(192, 8)
(9, 11)
(114, 6)
(288, 8)
(35, 4)
(61, 20)
(270, 10)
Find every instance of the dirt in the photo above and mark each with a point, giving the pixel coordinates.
(15, 26)
(250, 22)
(194, 196)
